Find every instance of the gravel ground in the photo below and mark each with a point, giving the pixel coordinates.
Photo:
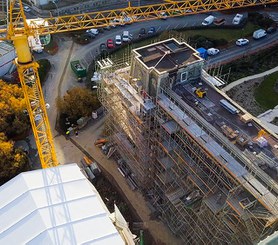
(243, 94)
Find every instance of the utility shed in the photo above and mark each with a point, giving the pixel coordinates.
(55, 206)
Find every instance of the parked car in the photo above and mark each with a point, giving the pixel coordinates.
(127, 20)
(213, 51)
(271, 29)
(242, 42)
(126, 36)
(83, 39)
(102, 47)
(90, 35)
(142, 32)
(163, 16)
(108, 28)
(100, 30)
(112, 24)
(27, 9)
(110, 43)
(92, 32)
(259, 34)
(119, 21)
(151, 30)
(118, 40)
(208, 20)
(237, 19)
(219, 21)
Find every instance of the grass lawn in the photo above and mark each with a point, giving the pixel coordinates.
(218, 33)
(265, 94)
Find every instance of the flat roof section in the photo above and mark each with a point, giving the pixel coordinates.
(233, 166)
(167, 55)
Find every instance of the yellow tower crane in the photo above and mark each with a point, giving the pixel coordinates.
(18, 32)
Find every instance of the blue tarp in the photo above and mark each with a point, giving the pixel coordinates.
(202, 52)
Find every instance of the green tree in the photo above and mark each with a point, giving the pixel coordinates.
(13, 120)
(12, 161)
(78, 102)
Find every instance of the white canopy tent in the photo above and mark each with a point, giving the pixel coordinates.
(54, 206)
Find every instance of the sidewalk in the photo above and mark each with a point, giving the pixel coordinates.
(245, 79)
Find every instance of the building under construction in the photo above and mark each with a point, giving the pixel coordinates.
(207, 166)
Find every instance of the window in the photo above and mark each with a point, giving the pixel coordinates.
(184, 76)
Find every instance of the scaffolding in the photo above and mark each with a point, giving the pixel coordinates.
(128, 122)
(203, 187)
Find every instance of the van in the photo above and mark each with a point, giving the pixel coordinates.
(259, 34)
(237, 19)
(207, 21)
(126, 36)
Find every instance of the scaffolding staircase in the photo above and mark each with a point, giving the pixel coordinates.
(253, 234)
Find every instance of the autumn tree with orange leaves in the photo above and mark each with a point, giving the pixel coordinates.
(13, 123)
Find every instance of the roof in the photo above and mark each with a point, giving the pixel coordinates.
(54, 206)
(167, 55)
(5, 48)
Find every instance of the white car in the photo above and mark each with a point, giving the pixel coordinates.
(26, 9)
(213, 51)
(93, 31)
(208, 20)
(237, 19)
(118, 40)
(242, 42)
(163, 15)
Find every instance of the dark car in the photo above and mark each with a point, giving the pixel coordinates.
(107, 28)
(271, 30)
(90, 35)
(142, 32)
(151, 30)
(102, 47)
(83, 39)
(219, 21)
(100, 30)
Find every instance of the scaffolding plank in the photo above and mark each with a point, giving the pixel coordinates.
(196, 130)
(170, 126)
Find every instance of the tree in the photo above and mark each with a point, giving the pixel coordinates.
(13, 120)
(78, 102)
(12, 161)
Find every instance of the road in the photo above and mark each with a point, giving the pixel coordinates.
(235, 52)
(86, 53)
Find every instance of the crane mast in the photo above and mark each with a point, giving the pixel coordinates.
(18, 32)
(30, 82)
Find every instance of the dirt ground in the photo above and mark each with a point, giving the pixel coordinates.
(243, 94)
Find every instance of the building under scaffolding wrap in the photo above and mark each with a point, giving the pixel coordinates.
(211, 174)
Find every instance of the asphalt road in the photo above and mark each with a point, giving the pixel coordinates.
(88, 52)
